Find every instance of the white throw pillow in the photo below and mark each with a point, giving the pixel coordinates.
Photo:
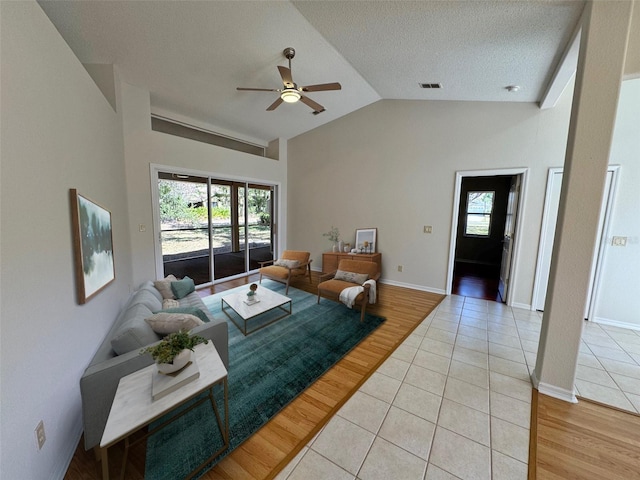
(170, 303)
(164, 323)
(287, 263)
(164, 286)
(351, 277)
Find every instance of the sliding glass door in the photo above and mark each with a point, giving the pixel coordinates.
(213, 229)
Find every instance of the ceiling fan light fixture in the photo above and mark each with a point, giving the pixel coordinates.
(290, 95)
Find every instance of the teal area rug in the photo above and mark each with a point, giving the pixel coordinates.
(267, 370)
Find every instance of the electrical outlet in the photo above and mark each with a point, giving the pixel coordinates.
(428, 229)
(142, 227)
(619, 241)
(400, 267)
(40, 436)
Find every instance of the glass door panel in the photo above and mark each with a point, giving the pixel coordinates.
(184, 231)
(260, 238)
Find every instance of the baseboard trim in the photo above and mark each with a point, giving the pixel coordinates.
(552, 390)
(422, 288)
(524, 306)
(63, 466)
(616, 323)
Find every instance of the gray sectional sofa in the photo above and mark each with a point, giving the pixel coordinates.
(118, 355)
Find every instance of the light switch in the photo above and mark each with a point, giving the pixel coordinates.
(142, 227)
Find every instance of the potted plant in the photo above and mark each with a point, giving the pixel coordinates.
(251, 294)
(334, 236)
(174, 351)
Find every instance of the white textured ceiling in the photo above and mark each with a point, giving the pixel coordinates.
(191, 55)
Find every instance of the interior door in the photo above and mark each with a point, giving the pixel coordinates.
(507, 242)
(550, 216)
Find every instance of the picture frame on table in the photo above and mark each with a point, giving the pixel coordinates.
(366, 240)
(92, 245)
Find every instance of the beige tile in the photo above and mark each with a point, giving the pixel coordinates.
(510, 409)
(437, 347)
(611, 353)
(507, 468)
(609, 396)
(590, 361)
(531, 360)
(622, 368)
(434, 362)
(472, 343)
(529, 346)
(627, 384)
(426, 379)
(381, 387)
(441, 335)
(630, 347)
(469, 373)
(394, 368)
(418, 401)
(449, 308)
(595, 375)
(501, 328)
(449, 326)
(465, 421)
(625, 336)
(385, 460)
(421, 329)
(508, 353)
(510, 439)
(466, 312)
(509, 386)
(467, 394)
(507, 321)
(405, 353)
(344, 443)
(474, 332)
(408, 431)
(529, 335)
(474, 322)
(477, 307)
(472, 357)
(366, 411)
(436, 473)
(509, 368)
(447, 316)
(315, 467)
(413, 341)
(635, 400)
(506, 340)
(460, 456)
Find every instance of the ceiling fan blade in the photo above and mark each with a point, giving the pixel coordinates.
(322, 87)
(285, 73)
(258, 89)
(316, 106)
(275, 104)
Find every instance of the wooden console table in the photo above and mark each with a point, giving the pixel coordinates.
(330, 260)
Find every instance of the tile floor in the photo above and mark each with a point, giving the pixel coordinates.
(454, 400)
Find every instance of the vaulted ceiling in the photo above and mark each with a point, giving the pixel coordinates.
(191, 55)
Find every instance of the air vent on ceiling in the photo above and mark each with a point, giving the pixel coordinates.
(430, 85)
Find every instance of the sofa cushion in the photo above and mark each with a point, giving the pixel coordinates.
(187, 309)
(182, 288)
(351, 277)
(133, 332)
(164, 286)
(148, 285)
(164, 323)
(146, 298)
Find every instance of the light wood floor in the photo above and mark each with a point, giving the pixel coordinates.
(569, 441)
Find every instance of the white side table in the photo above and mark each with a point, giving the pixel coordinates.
(133, 408)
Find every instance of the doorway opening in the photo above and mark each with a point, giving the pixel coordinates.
(484, 240)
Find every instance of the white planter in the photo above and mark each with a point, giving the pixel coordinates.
(179, 361)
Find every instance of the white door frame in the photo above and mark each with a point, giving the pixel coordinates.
(523, 172)
(599, 252)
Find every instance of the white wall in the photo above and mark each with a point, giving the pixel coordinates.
(392, 165)
(144, 147)
(619, 295)
(58, 132)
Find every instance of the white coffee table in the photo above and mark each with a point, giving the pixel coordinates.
(267, 301)
(133, 408)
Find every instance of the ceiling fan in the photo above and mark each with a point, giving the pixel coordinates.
(290, 92)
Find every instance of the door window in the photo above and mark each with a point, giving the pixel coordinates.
(478, 214)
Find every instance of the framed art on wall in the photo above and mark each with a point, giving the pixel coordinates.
(93, 246)
(366, 240)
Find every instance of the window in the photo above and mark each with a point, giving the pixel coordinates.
(479, 210)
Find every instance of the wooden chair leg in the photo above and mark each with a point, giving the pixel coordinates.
(260, 281)
(286, 292)
(363, 308)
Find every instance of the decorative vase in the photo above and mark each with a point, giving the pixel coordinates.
(335, 248)
(179, 362)
(341, 246)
